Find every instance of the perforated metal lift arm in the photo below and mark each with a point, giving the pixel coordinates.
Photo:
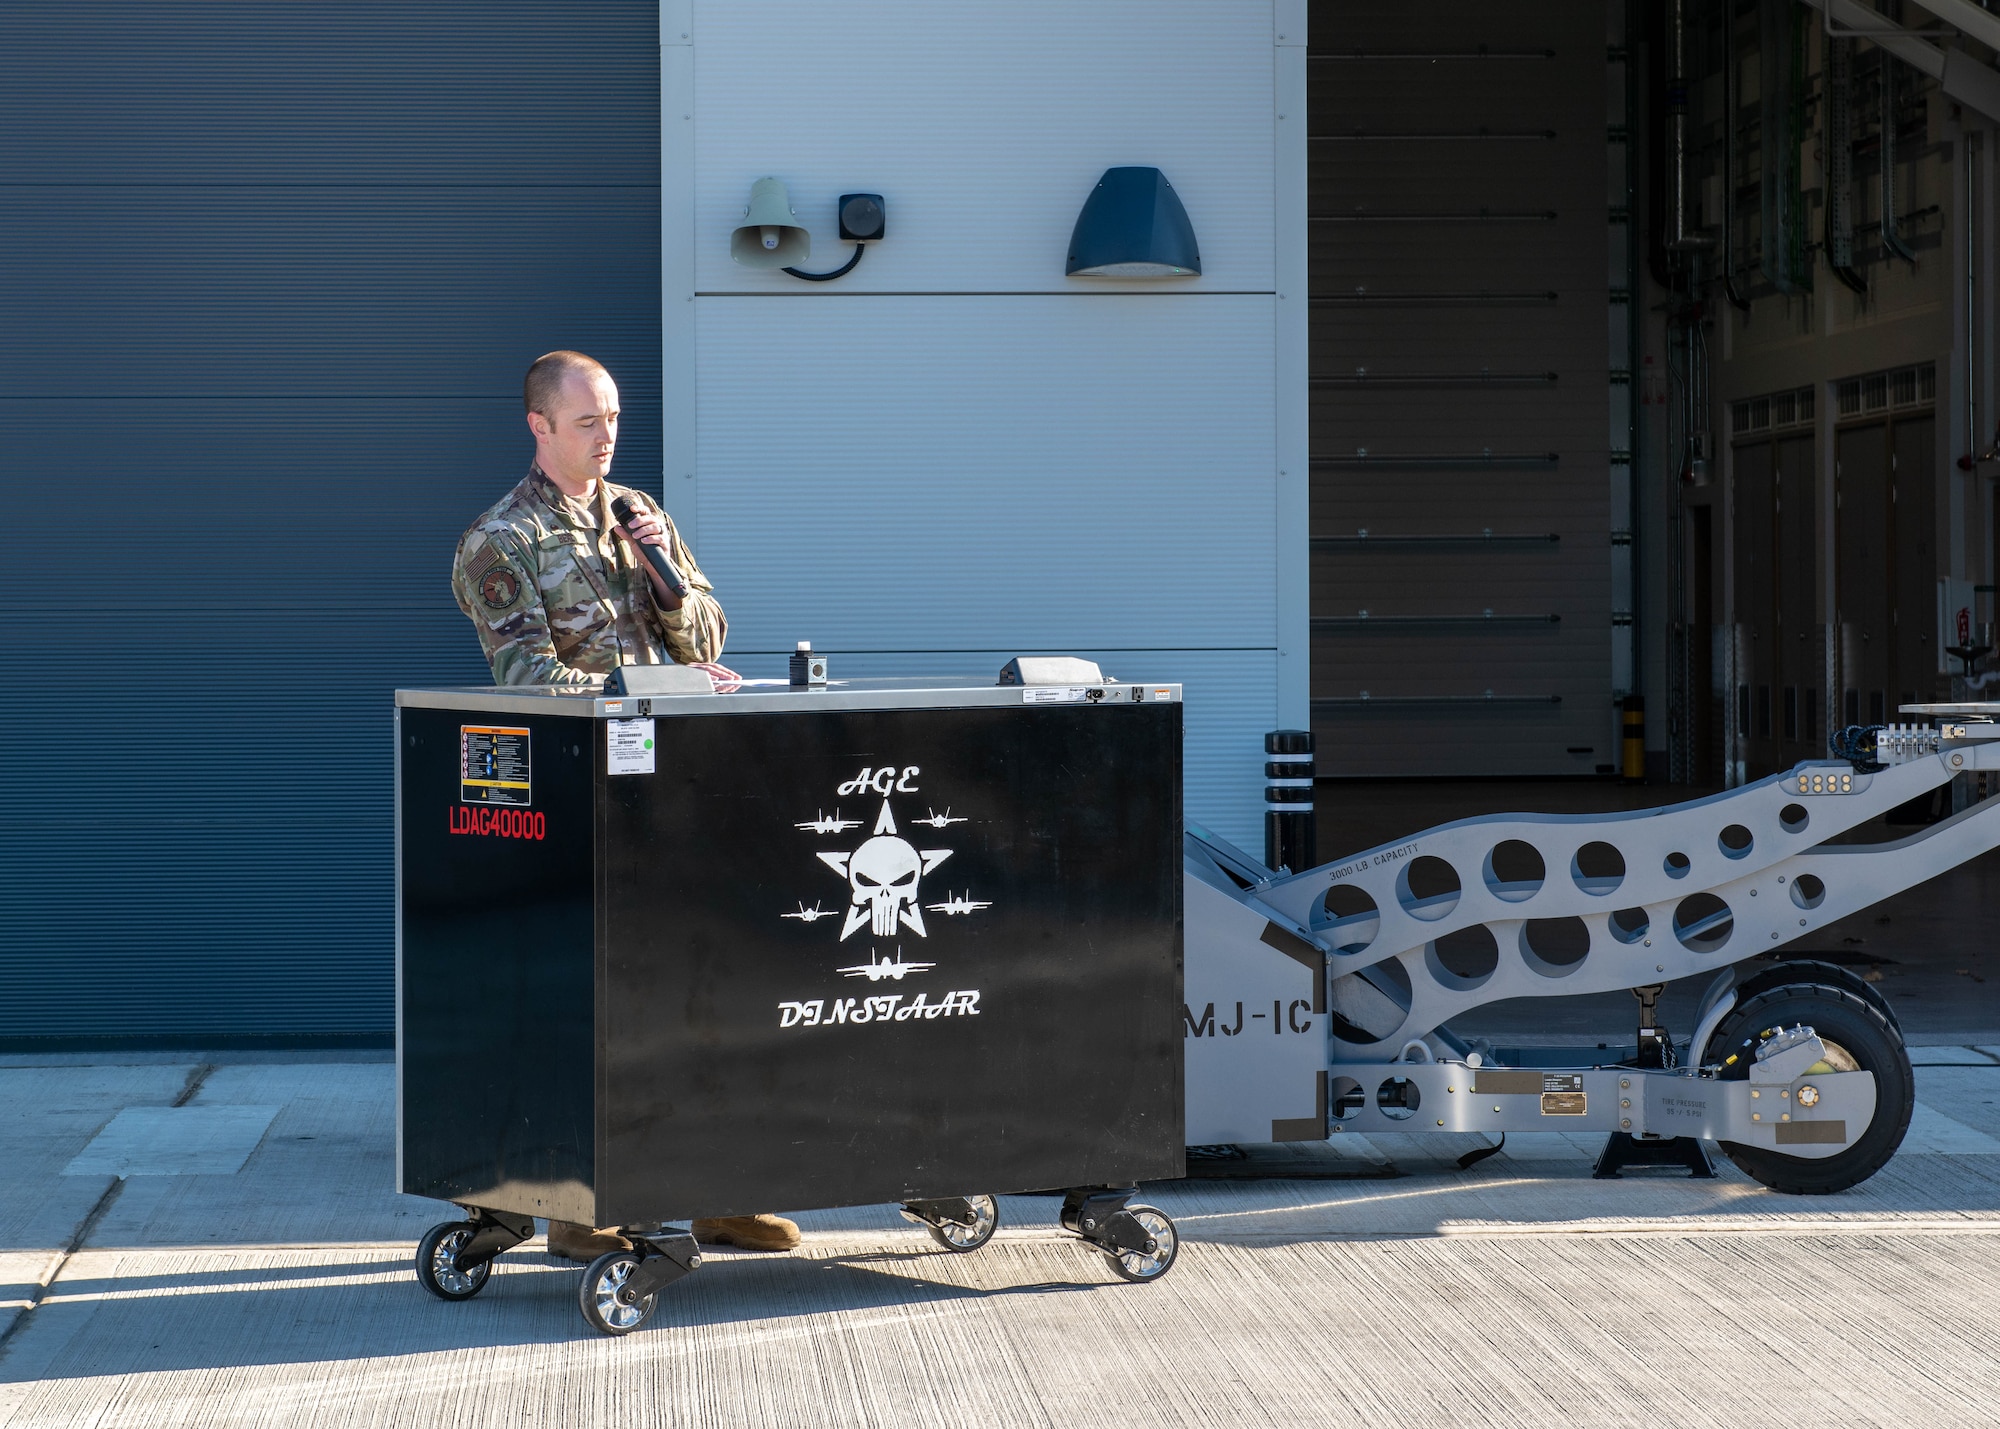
(1760, 850)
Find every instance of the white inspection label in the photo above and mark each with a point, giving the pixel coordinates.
(628, 746)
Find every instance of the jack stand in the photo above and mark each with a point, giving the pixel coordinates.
(1656, 1048)
(1621, 1148)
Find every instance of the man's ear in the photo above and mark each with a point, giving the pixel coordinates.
(538, 425)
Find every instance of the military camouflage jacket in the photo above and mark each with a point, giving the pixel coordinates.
(558, 603)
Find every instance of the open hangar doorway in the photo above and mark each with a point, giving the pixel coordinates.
(1780, 577)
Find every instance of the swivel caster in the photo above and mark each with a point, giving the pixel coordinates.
(437, 1262)
(1139, 1240)
(1140, 1266)
(958, 1223)
(455, 1260)
(606, 1296)
(621, 1287)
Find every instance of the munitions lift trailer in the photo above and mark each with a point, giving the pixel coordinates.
(1319, 1003)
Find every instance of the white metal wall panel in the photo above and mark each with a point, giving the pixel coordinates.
(954, 473)
(983, 127)
(956, 454)
(1230, 705)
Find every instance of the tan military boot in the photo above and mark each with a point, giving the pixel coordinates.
(581, 1243)
(759, 1232)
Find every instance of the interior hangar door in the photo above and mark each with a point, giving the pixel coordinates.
(271, 276)
(1885, 586)
(1461, 593)
(1774, 691)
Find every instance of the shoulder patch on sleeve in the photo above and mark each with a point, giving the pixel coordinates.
(498, 587)
(480, 557)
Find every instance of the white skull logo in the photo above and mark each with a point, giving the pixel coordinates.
(883, 875)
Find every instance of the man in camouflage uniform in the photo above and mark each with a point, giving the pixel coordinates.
(549, 579)
(553, 585)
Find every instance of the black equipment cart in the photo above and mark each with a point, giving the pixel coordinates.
(912, 941)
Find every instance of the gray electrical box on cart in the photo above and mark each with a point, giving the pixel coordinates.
(711, 954)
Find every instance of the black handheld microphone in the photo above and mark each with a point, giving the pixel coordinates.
(657, 555)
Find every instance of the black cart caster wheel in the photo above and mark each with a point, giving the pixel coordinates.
(964, 1239)
(603, 1298)
(437, 1262)
(1138, 1266)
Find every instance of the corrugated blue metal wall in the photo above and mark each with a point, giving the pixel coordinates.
(269, 277)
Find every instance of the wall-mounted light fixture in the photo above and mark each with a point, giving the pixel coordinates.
(1133, 226)
(770, 235)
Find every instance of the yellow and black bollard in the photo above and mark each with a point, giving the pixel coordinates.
(1632, 766)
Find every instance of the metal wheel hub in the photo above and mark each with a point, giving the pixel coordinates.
(616, 1304)
(1159, 1246)
(1837, 1059)
(444, 1264)
(985, 1212)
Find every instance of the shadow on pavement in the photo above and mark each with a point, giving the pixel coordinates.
(98, 1325)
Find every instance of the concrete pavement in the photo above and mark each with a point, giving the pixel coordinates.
(275, 1288)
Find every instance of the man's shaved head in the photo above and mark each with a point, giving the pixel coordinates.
(543, 384)
(573, 413)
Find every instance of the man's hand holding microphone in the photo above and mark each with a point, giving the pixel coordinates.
(648, 535)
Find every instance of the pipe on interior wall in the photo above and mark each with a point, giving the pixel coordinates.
(1699, 437)
(1837, 88)
(1972, 448)
(1892, 241)
(1679, 239)
(1730, 99)
(1677, 107)
(1680, 656)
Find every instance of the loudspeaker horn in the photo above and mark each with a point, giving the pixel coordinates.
(769, 236)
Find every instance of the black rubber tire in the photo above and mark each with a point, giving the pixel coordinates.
(444, 1280)
(963, 1240)
(1839, 1017)
(596, 1295)
(1792, 970)
(1143, 1269)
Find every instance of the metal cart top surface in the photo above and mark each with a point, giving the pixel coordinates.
(882, 693)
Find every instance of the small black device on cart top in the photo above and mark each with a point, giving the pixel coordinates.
(808, 668)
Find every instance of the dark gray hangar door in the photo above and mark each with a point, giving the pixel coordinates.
(270, 275)
(1461, 502)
